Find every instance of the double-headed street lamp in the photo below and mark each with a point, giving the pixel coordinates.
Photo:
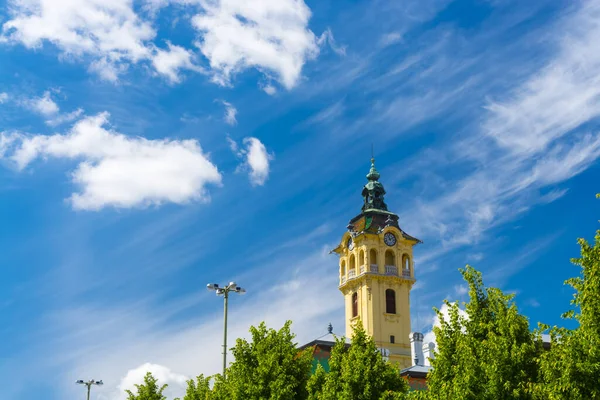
(232, 287)
(89, 385)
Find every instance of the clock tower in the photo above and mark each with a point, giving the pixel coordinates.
(377, 273)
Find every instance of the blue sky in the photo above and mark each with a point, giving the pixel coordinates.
(150, 147)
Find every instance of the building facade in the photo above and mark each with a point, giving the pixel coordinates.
(376, 273)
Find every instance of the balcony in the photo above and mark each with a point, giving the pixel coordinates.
(391, 270)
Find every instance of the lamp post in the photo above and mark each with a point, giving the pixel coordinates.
(224, 291)
(89, 385)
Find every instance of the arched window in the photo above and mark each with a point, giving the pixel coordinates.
(354, 304)
(343, 268)
(373, 256)
(361, 258)
(390, 301)
(352, 263)
(406, 262)
(390, 258)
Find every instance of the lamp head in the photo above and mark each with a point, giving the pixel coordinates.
(212, 286)
(231, 285)
(240, 290)
(80, 382)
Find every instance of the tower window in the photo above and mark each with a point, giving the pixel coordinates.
(390, 301)
(343, 268)
(406, 262)
(390, 259)
(373, 255)
(354, 305)
(392, 339)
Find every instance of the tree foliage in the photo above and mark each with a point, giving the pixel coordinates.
(571, 369)
(149, 390)
(357, 373)
(488, 354)
(269, 367)
(199, 389)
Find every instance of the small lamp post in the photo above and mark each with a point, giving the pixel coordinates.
(224, 291)
(89, 385)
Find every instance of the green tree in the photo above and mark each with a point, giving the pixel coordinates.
(488, 354)
(149, 390)
(270, 367)
(357, 373)
(571, 369)
(199, 389)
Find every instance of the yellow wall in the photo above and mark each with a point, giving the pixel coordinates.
(371, 287)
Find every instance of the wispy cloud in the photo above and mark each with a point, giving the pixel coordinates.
(146, 333)
(328, 114)
(64, 118)
(523, 146)
(230, 113)
(120, 171)
(43, 105)
(557, 99)
(3, 97)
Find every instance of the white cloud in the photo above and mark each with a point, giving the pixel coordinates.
(176, 382)
(3, 97)
(257, 159)
(269, 89)
(391, 38)
(271, 36)
(170, 62)
(106, 69)
(63, 118)
(43, 105)
(121, 171)
(230, 113)
(6, 140)
(108, 30)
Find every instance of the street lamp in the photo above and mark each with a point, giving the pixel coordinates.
(232, 287)
(89, 385)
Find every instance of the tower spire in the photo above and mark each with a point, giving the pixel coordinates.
(373, 192)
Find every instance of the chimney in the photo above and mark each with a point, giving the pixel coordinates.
(428, 353)
(416, 347)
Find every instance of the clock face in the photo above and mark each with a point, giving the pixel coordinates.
(389, 239)
(350, 244)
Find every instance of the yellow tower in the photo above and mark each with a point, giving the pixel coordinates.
(376, 273)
